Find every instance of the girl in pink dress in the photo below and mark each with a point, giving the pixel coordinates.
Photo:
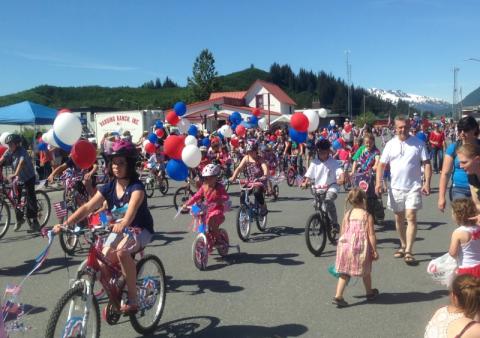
(357, 247)
(213, 194)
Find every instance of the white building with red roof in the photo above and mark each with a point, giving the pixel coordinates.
(268, 97)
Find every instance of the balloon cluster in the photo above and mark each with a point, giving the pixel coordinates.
(175, 117)
(184, 153)
(235, 119)
(303, 123)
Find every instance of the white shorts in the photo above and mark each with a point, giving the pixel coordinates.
(399, 200)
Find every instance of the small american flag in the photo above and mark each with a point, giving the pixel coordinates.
(60, 210)
(13, 289)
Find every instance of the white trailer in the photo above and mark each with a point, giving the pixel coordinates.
(135, 121)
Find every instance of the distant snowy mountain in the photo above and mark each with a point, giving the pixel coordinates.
(423, 103)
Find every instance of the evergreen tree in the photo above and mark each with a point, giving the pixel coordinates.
(203, 82)
(168, 83)
(158, 83)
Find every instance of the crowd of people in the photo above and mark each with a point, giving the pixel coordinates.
(330, 157)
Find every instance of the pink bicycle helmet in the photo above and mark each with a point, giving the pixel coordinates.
(123, 148)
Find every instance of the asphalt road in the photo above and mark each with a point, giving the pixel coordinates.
(270, 287)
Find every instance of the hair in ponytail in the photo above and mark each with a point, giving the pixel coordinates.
(466, 289)
(357, 198)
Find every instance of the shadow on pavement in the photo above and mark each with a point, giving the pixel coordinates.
(200, 286)
(50, 265)
(431, 225)
(167, 206)
(207, 326)
(296, 198)
(244, 258)
(406, 297)
(161, 236)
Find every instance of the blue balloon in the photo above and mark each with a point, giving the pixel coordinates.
(206, 142)
(297, 136)
(177, 170)
(158, 124)
(42, 146)
(235, 117)
(337, 145)
(253, 120)
(193, 130)
(152, 138)
(180, 108)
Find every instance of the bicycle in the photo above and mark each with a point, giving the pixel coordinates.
(183, 194)
(205, 241)
(152, 181)
(74, 195)
(273, 189)
(249, 211)
(9, 196)
(366, 182)
(319, 226)
(345, 165)
(293, 170)
(82, 317)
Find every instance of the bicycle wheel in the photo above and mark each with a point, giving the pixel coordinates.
(149, 186)
(222, 242)
(43, 208)
(261, 220)
(151, 294)
(67, 316)
(243, 223)
(315, 234)
(332, 231)
(200, 252)
(4, 218)
(181, 196)
(68, 241)
(163, 185)
(291, 177)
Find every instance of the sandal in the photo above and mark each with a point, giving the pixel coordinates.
(373, 295)
(400, 253)
(339, 302)
(409, 259)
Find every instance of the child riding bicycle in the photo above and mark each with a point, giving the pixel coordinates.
(325, 171)
(213, 194)
(124, 190)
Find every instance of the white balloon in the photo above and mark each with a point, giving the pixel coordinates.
(313, 119)
(332, 122)
(262, 123)
(50, 139)
(322, 112)
(67, 128)
(190, 140)
(226, 131)
(3, 137)
(183, 126)
(191, 156)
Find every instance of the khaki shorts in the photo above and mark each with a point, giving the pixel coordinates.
(143, 238)
(399, 200)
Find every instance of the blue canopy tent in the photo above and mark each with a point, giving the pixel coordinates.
(27, 113)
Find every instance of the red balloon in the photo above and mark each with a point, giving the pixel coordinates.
(150, 148)
(273, 138)
(2, 150)
(83, 154)
(241, 130)
(348, 128)
(159, 132)
(173, 146)
(299, 122)
(172, 118)
(235, 142)
(256, 112)
(63, 110)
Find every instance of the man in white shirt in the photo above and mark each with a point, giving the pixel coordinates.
(405, 154)
(325, 171)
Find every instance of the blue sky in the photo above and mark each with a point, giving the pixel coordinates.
(411, 45)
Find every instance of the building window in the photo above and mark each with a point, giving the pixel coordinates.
(259, 101)
(92, 117)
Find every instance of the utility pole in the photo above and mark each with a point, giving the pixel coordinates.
(349, 84)
(455, 93)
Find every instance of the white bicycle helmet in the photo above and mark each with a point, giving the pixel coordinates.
(211, 170)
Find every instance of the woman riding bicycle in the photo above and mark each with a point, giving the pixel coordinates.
(124, 190)
(256, 170)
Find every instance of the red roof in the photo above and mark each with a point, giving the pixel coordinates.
(234, 95)
(275, 91)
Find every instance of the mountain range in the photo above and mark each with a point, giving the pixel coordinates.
(420, 102)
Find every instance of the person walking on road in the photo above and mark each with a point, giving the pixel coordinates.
(437, 144)
(405, 154)
(468, 132)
